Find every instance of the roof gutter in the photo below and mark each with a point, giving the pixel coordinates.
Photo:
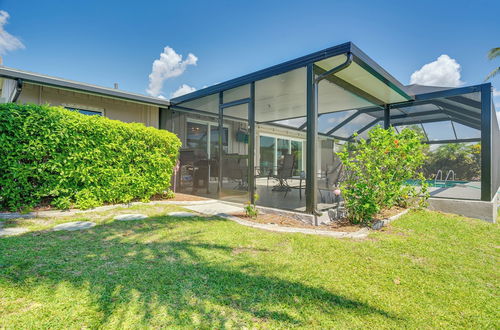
(19, 89)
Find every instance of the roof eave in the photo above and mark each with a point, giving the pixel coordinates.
(44, 80)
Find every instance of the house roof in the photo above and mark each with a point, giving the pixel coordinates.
(44, 80)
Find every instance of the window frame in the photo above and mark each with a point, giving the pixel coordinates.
(209, 127)
(283, 137)
(79, 110)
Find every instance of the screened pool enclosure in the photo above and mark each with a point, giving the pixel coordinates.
(275, 132)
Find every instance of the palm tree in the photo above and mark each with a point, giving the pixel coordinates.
(493, 53)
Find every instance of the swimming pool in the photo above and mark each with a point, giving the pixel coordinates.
(438, 183)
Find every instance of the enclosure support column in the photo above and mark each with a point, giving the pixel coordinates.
(387, 116)
(312, 132)
(251, 144)
(486, 181)
(219, 156)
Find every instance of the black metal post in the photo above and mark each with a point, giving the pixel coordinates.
(312, 129)
(251, 144)
(387, 116)
(311, 142)
(221, 131)
(486, 183)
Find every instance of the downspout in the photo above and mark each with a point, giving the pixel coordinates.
(312, 135)
(19, 88)
(336, 69)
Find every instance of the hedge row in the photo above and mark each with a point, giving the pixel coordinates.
(55, 156)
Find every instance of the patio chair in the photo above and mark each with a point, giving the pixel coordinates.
(235, 169)
(265, 171)
(284, 173)
(200, 169)
(332, 177)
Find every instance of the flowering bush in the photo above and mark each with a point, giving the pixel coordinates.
(377, 170)
(251, 209)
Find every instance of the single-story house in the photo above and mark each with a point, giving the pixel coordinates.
(262, 132)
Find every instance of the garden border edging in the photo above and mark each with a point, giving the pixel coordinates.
(377, 225)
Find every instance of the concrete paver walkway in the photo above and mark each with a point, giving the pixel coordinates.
(206, 207)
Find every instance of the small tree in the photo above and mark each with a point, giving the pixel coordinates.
(492, 54)
(377, 170)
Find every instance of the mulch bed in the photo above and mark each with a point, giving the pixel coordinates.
(282, 220)
(180, 198)
(342, 225)
(384, 214)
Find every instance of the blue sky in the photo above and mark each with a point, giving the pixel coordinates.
(104, 42)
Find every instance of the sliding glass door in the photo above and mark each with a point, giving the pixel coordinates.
(274, 148)
(267, 162)
(198, 158)
(298, 155)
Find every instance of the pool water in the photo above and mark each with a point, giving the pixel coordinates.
(438, 183)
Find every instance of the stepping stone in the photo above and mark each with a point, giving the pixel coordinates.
(12, 231)
(75, 225)
(128, 217)
(182, 214)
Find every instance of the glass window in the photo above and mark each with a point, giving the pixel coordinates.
(267, 154)
(283, 148)
(214, 140)
(273, 150)
(86, 112)
(197, 136)
(297, 153)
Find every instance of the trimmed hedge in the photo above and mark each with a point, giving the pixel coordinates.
(51, 155)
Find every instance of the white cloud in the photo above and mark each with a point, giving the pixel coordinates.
(445, 71)
(496, 92)
(169, 65)
(183, 89)
(7, 41)
(496, 100)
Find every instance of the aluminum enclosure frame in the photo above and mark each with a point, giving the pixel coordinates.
(353, 54)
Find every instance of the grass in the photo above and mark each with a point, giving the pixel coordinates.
(427, 270)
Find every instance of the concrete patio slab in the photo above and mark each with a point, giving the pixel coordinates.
(75, 225)
(215, 208)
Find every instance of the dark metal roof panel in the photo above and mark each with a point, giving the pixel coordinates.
(373, 67)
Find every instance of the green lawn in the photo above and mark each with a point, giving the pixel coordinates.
(426, 270)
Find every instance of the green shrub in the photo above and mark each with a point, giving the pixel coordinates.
(377, 169)
(54, 156)
(251, 209)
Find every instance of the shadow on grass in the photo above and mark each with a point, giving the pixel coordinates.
(176, 270)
